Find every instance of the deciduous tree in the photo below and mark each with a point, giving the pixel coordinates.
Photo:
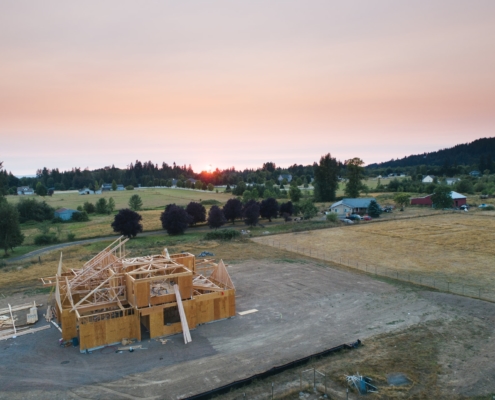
(175, 219)
(251, 213)
(127, 223)
(295, 194)
(216, 218)
(401, 199)
(197, 212)
(441, 197)
(308, 209)
(269, 208)
(232, 210)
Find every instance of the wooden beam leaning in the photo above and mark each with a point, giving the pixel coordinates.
(182, 314)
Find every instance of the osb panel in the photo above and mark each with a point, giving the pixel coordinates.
(166, 298)
(158, 328)
(188, 261)
(142, 292)
(69, 324)
(129, 291)
(109, 331)
(185, 286)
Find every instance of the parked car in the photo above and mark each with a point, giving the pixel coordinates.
(464, 207)
(347, 221)
(355, 217)
(483, 205)
(367, 218)
(387, 209)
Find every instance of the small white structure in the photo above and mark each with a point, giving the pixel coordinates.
(451, 181)
(86, 191)
(428, 179)
(24, 190)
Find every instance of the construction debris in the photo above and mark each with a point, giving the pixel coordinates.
(361, 383)
(111, 296)
(248, 312)
(206, 254)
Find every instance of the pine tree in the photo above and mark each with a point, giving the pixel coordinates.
(354, 175)
(325, 179)
(374, 209)
(10, 229)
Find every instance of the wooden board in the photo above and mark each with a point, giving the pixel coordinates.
(248, 312)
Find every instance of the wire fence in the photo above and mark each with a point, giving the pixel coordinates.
(308, 381)
(417, 278)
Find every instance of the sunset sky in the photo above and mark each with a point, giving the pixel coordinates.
(239, 83)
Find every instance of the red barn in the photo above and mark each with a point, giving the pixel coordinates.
(457, 200)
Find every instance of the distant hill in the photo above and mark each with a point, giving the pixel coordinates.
(461, 154)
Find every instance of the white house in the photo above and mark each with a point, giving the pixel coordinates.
(428, 179)
(285, 176)
(86, 191)
(451, 181)
(351, 206)
(25, 190)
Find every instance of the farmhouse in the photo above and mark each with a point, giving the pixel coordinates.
(285, 176)
(65, 213)
(428, 179)
(351, 206)
(457, 200)
(451, 181)
(86, 191)
(112, 297)
(24, 190)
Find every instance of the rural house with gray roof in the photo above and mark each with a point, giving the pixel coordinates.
(351, 206)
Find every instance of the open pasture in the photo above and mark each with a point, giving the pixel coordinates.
(97, 226)
(453, 247)
(152, 197)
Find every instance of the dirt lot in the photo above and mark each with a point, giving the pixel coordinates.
(452, 247)
(303, 308)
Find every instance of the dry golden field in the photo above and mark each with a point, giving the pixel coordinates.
(452, 247)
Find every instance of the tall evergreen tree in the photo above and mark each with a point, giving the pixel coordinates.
(10, 229)
(326, 178)
(374, 209)
(354, 175)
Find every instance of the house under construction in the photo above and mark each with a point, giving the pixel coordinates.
(112, 297)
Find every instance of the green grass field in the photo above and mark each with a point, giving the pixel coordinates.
(152, 198)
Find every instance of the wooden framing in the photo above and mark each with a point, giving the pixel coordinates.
(111, 297)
